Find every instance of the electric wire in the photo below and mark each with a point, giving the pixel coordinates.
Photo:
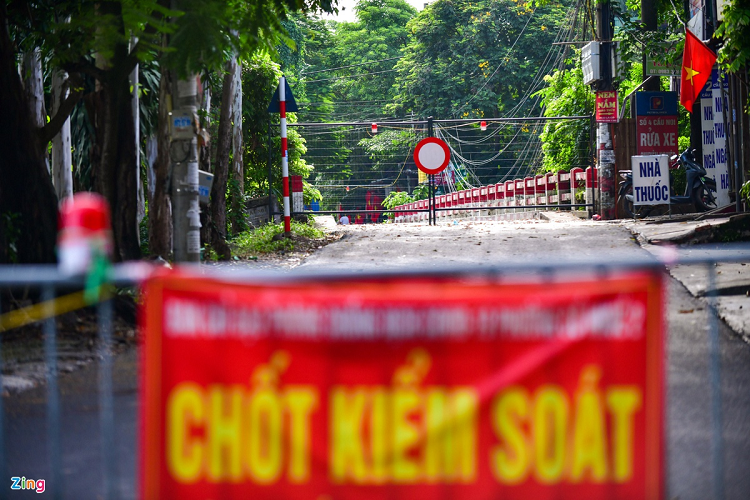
(349, 66)
(487, 80)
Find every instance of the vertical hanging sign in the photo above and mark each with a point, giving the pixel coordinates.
(707, 129)
(721, 170)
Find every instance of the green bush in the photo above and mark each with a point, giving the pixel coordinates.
(745, 193)
(396, 199)
(269, 238)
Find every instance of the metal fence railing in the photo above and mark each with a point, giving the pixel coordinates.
(358, 164)
(104, 449)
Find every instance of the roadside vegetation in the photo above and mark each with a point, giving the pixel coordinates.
(84, 63)
(270, 238)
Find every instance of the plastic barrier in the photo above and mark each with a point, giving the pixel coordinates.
(549, 187)
(500, 197)
(554, 190)
(530, 191)
(510, 195)
(492, 199)
(520, 195)
(475, 203)
(577, 183)
(592, 189)
(564, 188)
(483, 198)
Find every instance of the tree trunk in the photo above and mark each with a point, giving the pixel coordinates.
(204, 155)
(238, 171)
(62, 175)
(113, 160)
(160, 208)
(125, 211)
(114, 172)
(28, 205)
(221, 168)
(136, 111)
(34, 87)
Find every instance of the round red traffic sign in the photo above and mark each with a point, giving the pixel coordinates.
(432, 155)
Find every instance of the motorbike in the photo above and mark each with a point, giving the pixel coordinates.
(699, 189)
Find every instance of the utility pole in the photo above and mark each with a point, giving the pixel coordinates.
(605, 150)
(184, 158)
(431, 178)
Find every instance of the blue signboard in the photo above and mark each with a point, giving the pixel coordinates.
(656, 103)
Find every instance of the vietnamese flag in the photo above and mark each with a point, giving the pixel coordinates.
(697, 62)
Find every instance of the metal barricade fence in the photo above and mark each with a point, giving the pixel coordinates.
(358, 164)
(48, 282)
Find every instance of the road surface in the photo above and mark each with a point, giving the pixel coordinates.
(411, 247)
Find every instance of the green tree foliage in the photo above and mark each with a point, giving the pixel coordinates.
(734, 54)
(92, 39)
(368, 47)
(390, 145)
(565, 144)
(378, 35)
(473, 58)
(635, 41)
(209, 28)
(260, 79)
(396, 199)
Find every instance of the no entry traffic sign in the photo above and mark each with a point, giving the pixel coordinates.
(432, 155)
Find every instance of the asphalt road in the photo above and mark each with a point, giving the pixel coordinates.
(688, 426)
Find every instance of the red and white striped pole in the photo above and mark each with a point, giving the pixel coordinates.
(284, 157)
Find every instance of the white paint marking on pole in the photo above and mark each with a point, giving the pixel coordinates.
(284, 158)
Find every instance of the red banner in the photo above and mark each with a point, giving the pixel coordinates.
(403, 388)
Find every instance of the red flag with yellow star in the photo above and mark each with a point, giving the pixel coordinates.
(697, 62)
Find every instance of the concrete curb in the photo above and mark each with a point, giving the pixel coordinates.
(732, 280)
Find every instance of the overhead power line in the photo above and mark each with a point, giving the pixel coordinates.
(500, 65)
(351, 76)
(349, 66)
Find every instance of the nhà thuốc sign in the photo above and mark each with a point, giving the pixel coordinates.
(650, 180)
(402, 388)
